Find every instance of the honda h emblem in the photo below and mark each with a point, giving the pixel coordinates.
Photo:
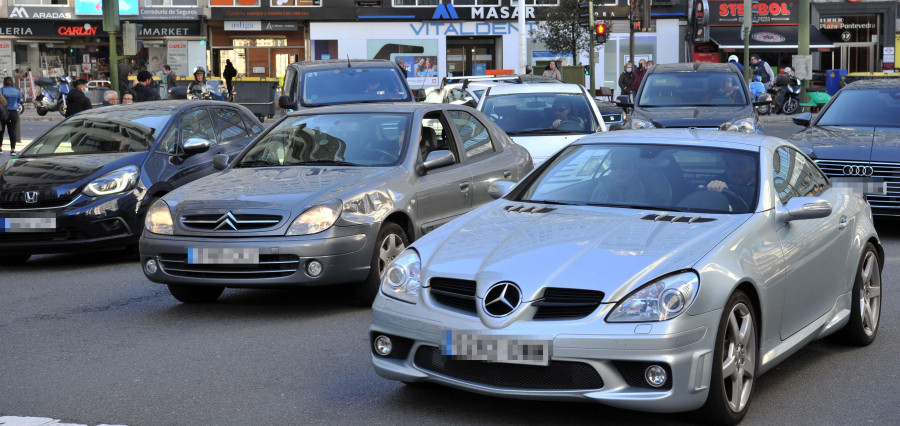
(31, 197)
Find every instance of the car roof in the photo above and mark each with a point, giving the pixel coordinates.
(506, 89)
(345, 63)
(377, 107)
(880, 83)
(694, 67)
(167, 106)
(712, 138)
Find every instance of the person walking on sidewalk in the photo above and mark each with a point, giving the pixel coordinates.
(142, 90)
(171, 78)
(626, 78)
(78, 100)
(552, 72)
(13, 98)
(230, 73)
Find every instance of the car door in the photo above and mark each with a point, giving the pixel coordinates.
(444, 193)
(815, 250)
(482, 154)
(231, 130)
(196, 123)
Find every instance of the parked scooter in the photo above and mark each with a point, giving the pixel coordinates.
(53, 95)
(787, 99)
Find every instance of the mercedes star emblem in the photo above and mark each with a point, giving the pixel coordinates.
(502, 299)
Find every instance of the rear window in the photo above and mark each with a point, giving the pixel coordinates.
(354, 84)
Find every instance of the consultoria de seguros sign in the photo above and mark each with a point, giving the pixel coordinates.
(731, 12)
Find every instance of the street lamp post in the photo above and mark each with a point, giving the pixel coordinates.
(111, 26)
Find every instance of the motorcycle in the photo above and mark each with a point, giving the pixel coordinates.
(788, 96)
(53, 95)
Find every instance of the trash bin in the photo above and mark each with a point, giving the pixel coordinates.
(259, 95)
(833, 80)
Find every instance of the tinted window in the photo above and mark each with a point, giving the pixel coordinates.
(343, 139)
(346, 85)
(873, 107)
(197, 124)
(132, 131)
(692, 89)
(229, 124)
(535, 113)
(795, 175)
(474, 137)
(674, 178)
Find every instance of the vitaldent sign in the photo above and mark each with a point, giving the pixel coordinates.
(467, 28)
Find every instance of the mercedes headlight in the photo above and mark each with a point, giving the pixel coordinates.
(402, 278)
(316, 219)
(114, 182)
(159, 219)
(746, 125)
(660, 300)
(637, 123)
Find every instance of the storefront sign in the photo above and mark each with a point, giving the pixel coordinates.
(767, 37)
(282, 10)
(280, 26)
(77, 30)
(170, 13)
(6, 57)
(95, 7)
(489, 13)
(731, 13)
(467, 28)
(849, 29)
(26, 12)
(169, 29)
(243, 25)
(41, 29)
(177, 57)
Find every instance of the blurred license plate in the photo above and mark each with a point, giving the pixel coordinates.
(223, 256)
(864, 185)
(471, 346)
(27, 224)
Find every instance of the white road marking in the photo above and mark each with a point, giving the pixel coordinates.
(38, 421)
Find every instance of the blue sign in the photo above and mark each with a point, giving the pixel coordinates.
(445, 11)
(95, 7)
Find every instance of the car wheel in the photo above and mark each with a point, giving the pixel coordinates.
(790, 106)
(195, 293)
(21, 109)
(734, 363)
(390, 242)
(865, 308)
(14, 259)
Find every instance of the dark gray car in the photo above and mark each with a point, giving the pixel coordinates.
(327, 196)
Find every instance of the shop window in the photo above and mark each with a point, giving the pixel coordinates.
(258, 42)
(172, 3)
(476, 2)
(538, 3)
(429, 3)
(41, 2)
(295, 3)
(415, 3)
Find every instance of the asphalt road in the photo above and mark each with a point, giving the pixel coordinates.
(85, 338)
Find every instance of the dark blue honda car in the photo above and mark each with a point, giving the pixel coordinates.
(87, 183)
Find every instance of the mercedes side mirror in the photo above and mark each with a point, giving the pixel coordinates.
(803, 119)
(500, 188)
(220, 161)
(284, 102)
(802, 208)
(194, 146)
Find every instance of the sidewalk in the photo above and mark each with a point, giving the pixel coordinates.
(31, 114)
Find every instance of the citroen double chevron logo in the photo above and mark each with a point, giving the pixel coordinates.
(227, 220)
(445, 11)
(18, 12)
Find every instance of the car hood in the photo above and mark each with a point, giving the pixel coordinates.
(281, 188)
(692, 116)
(61, 177)
(607, 249)
(850, 143)
(542, 147)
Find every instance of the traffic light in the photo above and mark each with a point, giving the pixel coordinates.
(600, 33)
(587, 70)
(584, 15)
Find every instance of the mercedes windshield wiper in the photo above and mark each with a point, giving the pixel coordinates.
(325, 162)
(633, 206)
(542, 131)
(556, 203)
(257, 163)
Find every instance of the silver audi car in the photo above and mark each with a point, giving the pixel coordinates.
(660, 271)
(326, 196)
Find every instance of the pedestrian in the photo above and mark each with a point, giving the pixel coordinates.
(552, 72)
(733, 59)
(142, 90)
(124, 72)
(763, 70)
(12, 98)
(171, 78)
(638, 75)
(529, 70)
(110, 98)
(77, 100)
(626, 78)
(230, 72)
(128, 98)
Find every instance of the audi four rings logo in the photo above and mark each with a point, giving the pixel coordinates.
(858, 170)
(502, 299)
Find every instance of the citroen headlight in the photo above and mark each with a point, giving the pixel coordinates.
(114, 182)
(159, 219)
(402, 278)
(316, 219)
(746, 125)
(637, 123)
(660, 300)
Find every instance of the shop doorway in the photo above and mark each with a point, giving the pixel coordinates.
(853, 57)
(471, 55)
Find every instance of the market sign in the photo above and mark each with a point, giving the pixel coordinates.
(731, 13)
(168, 29)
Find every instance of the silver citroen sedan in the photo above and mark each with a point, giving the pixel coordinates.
(659, 271)
(326, 196)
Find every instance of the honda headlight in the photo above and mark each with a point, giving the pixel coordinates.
(159, 219)
(660, 300)
(637, 123)
(316, 219)
(114, 182)
(402, 277)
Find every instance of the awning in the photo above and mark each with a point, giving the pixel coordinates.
(768, 37)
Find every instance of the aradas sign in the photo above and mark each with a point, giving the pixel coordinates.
(731, 13)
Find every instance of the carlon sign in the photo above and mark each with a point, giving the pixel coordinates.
(731, 13)
(76, 30)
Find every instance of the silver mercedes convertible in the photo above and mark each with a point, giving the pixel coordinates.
(658, 271)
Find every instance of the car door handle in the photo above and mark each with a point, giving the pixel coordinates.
(507, 173)
(464, 186)
(843, 223)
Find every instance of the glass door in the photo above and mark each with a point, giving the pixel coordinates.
(857, 57)
(471, 55)
(456, 61)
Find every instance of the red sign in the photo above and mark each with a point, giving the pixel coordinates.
(72, 30)
(731, 13)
